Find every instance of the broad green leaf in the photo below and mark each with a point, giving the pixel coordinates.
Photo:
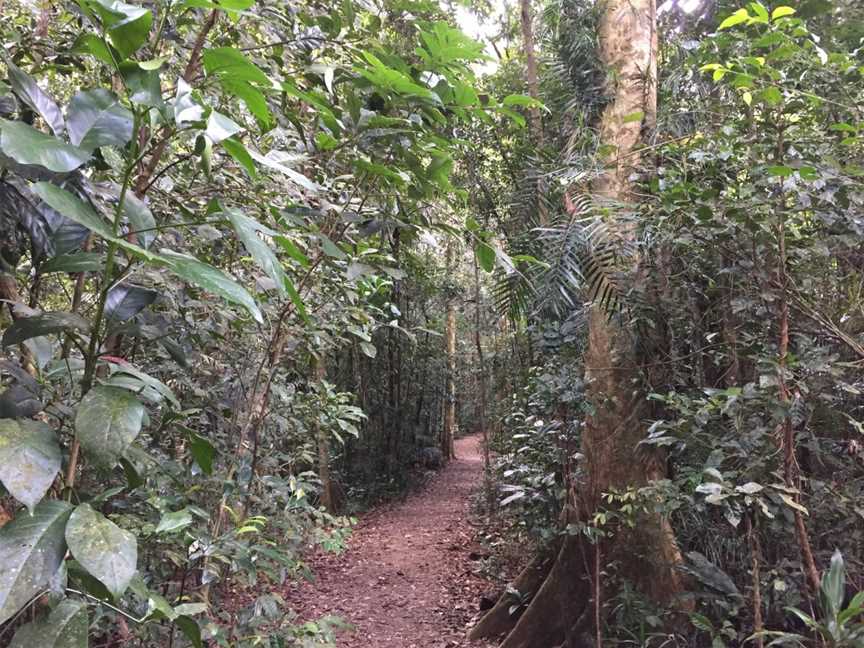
(485, 256)
(97, 119)
(633, 117)
(29, 459)
(522, 100)
(108, 420)
(760, 11)
(771, 95)
(162, 390)
(190, 628)
(174, 521)
(295, 297)
(220, 127)
(128, 26)
(186, 109)
(292, 250)
(65, 627)
(75, 262)
(71, 207)
(145, 88)
(252, 97)
(248, 230)
(780, 12)
(237, 151)
(25, 328)
(780, 171)
(31, 94)
(105, 550)
(209, 278)
(297, 178)
(140, 218)
(513, 115)
(393, 80)
(330, 248)
(124, 301)
(736, 18)
(203, 452)
(832, 589)
(26, 145)
(32, 547)
(95, 46)
(396, 175)
(229, 63)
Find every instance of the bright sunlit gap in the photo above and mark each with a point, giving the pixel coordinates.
(483, 32)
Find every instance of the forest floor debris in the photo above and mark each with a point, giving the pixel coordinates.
(407, 579)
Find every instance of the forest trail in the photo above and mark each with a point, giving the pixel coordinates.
(407, 579)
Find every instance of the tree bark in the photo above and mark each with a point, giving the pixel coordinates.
(531, 80)
(450, 396)
(323, 440)
(531, 69)
(482, 388)
(648, 554)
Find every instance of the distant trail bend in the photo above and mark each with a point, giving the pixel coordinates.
(407, 579)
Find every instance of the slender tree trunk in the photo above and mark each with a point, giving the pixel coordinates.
(533, 84)
(791, 470)
(450, 396)
(319, 371)
(448, 442)
(531, 69)
(481, 387)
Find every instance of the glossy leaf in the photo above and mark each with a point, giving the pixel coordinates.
(105, 550)
(97, 119)
(125, 301)
(174, 521)
(211, 279)
(31, 94)
(65, 627)
(140, 218)
(190, 628)
(220, 127)
(232, 64)
(29, 459)
(25, 328)
(108, 420)
(128, 26)
(237, 151)
(72, 207)
(75, 262)
(26, 145)
(203, 452)
(486, 256)
(248, 231)
(32, 547)
(832, 590)
(144, 85)
(736, 18)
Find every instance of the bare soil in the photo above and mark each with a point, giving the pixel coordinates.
(409, 577)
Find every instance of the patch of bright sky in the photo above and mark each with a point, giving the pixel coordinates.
(482, 30)
(687, 6)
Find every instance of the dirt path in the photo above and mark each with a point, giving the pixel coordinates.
(407, 579)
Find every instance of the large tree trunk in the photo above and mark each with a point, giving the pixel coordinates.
(561, 610)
